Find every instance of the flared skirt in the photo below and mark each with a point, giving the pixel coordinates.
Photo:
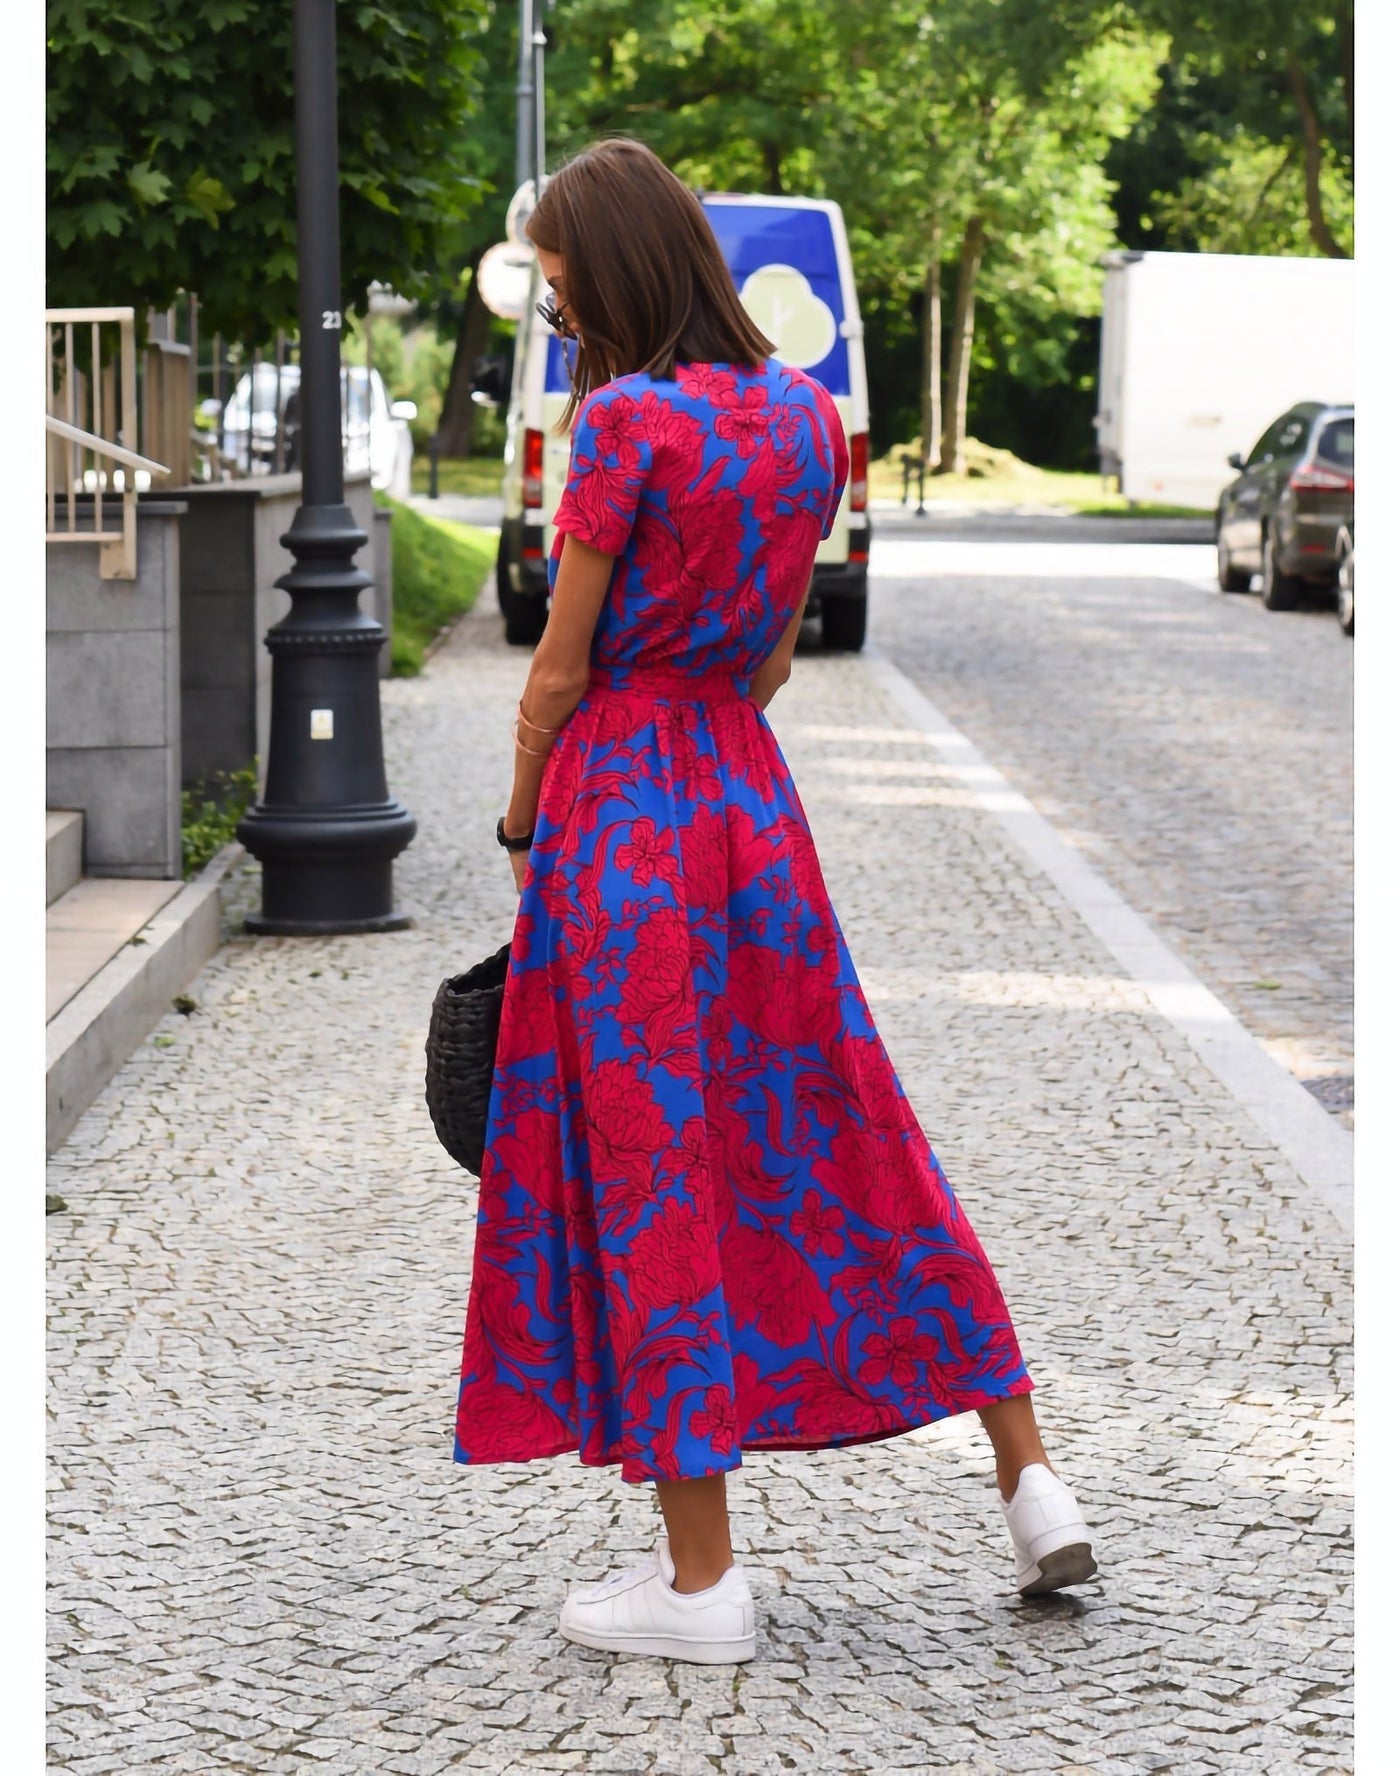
(708, 1218)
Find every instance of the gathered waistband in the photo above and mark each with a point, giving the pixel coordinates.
(660, 682)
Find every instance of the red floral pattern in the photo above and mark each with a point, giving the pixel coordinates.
(708, 1218)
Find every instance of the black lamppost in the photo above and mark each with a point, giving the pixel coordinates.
(326, 830)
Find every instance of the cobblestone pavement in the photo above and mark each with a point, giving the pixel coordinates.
(1197, 747)
(263, 1559)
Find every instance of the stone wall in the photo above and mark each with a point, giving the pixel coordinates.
(113, 713)
(231, 555)
(155, 683)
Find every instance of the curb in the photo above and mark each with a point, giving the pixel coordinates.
(103, 1025)
(1318, 1148)
(942, 521)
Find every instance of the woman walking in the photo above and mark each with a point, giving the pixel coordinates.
(709, 1220)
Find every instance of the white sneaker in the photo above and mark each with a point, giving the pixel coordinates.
(639, 1611)
(1049, 1534)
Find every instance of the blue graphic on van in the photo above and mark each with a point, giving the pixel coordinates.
(752, 236)
(556, 367)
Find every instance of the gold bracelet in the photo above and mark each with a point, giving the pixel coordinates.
(535, 727)
(534, 752)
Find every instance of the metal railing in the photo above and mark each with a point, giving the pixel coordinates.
(184, 407)
(91, 392)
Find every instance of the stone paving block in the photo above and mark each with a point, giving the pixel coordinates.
(1237, 846)
(259, 1542)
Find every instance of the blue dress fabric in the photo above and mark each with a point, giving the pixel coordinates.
(708, 1219)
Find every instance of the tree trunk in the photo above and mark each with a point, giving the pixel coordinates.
(931, 365)
(457, 426)
(1322, 236)
(773, 162)
(952, 458)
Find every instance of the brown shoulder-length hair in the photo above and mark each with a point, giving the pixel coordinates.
(647, 284)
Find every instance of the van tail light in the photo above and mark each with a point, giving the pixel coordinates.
(860, 469)
(1314, 478)
(532, 485)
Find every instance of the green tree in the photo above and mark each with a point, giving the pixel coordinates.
(991, 121)
(971, 128)
(727, 92)
(980, 145)
(1254, 131)
(171, 157)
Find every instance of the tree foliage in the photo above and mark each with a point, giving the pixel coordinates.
(171, 160)
(985, 152)
(917, 118)
(1249, 148)
(999, 118)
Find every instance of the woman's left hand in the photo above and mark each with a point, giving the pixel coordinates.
(518, 861)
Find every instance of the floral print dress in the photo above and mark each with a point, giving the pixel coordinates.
(708, 1218)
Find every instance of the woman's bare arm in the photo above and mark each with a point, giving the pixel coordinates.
(558, 674)
(777, 668)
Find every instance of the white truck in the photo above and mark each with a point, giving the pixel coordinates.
(1201, 351)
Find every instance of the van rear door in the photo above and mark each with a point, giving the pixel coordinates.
(791, 263)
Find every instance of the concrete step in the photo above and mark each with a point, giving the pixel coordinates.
(63, 850)
(119, 951)
(89, 924)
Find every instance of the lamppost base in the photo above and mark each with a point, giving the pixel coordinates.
(348, 887)
(261, 926)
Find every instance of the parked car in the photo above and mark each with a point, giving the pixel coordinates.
(374, 429)
(1281, 515)
(1346, 583)
(791, 264)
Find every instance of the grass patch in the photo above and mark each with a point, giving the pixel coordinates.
(478, 477)
(439, 567)
(996, 478)
(209, 812)
(1114, 505)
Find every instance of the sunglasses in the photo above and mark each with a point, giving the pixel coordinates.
(554, 317)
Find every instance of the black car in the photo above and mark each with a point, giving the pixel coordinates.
(1281, 516)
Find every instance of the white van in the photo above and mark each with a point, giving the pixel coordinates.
(792, 267)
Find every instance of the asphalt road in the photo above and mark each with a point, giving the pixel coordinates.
(1196, 747)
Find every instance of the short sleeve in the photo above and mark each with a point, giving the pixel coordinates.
(609, 462)
(838, 456)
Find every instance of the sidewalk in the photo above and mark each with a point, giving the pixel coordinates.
(484, 511)
(263, 1559)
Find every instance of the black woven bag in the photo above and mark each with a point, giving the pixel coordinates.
(461, 1052)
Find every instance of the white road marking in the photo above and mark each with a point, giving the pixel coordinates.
(1319, 1149)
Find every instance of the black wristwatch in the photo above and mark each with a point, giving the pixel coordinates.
(521, 844)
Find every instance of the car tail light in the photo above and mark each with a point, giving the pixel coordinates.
(1314, 478)
(532, 485)
(860, 468)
